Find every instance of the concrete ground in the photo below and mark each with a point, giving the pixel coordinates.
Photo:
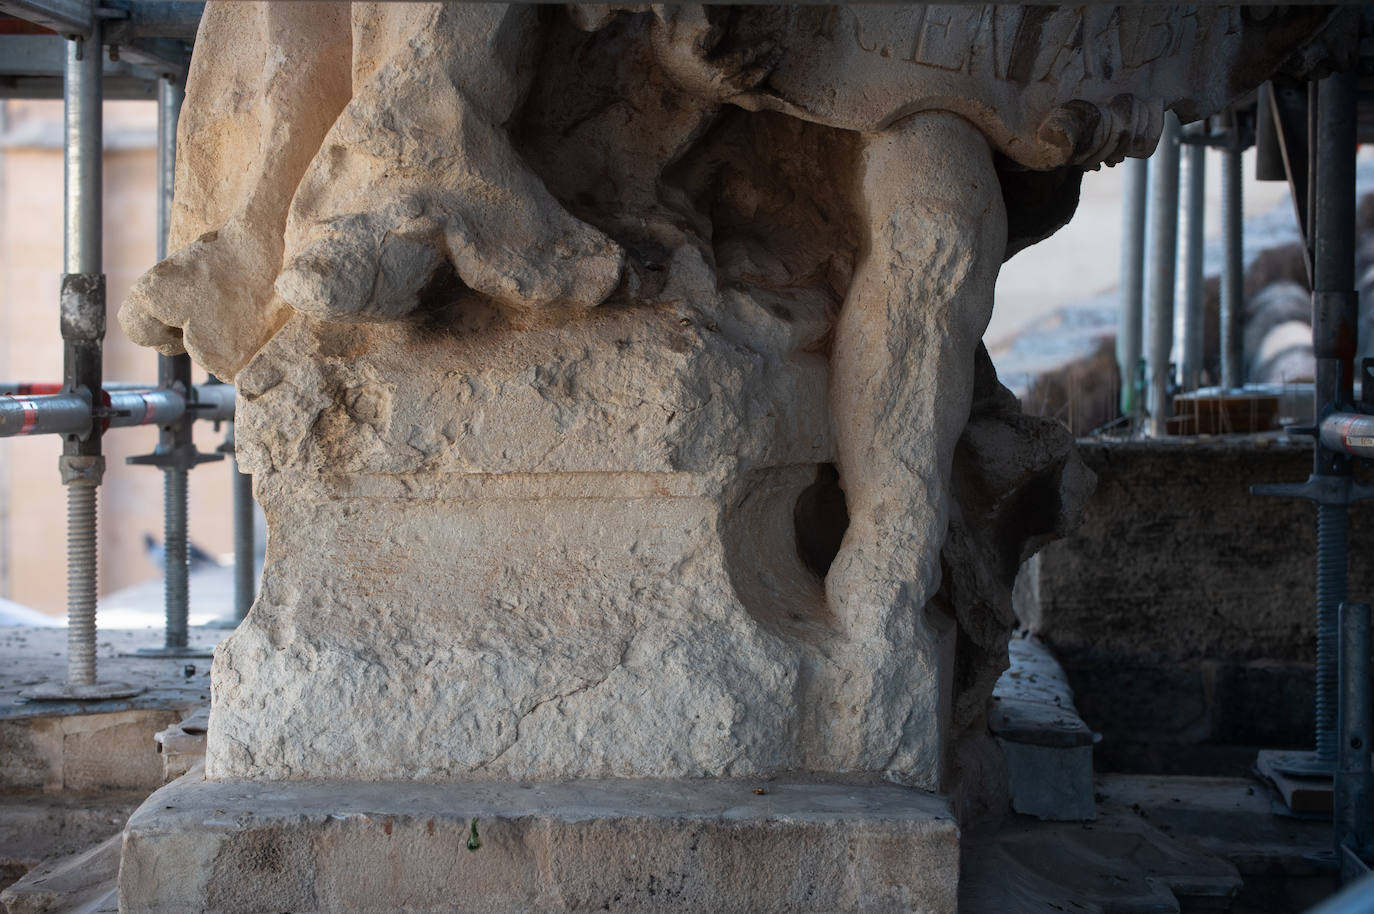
(30, 656)
(33, 648)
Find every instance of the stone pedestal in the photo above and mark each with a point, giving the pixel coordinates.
(560, 551)
(626, 845)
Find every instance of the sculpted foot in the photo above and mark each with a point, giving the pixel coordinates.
(419, 175)
(368, 267)
(219, 267)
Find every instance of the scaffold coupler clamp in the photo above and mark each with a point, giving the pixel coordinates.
(1343, 431)
(88, 470)
(176, 448)
(81, 319)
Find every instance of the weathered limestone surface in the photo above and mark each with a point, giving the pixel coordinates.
(355, 158)
(626, 845)
(108, 751)
(612, 381)
(261, 102)
(531, 623)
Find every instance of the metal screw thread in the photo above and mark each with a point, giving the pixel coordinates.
(243, 544)
(81, 582)
(1332, 553)
(176, 590)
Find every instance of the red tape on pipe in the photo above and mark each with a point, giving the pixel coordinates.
(30, 416)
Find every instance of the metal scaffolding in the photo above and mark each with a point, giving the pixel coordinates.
(149, 50)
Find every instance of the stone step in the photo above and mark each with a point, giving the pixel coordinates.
(682, 845)
(1237, 819)
(1047, 746)
(182, 745)
(1119, 864)
(83, 883)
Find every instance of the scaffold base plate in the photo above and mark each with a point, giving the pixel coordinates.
(1302, 793)
(190, 652)
(67, 691)
(1298, 764)
(224, 622)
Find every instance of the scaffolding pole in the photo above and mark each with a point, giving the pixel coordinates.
(1339, 434)
(1233, 264)
(176, 451)
(1130, 320)
(1163, 254)
(1194, 181)
(82, 322)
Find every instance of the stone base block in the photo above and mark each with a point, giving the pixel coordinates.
(625, 845)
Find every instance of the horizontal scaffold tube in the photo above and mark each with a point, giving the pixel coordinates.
(29, 388)
(1349, 433)
(71, 414)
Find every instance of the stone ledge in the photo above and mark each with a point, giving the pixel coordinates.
(631, 845)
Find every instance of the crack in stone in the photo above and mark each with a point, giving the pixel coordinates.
(586, 686)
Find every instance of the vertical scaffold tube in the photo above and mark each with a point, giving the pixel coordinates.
(1163, 256)
(81, 308)
(1128, 337)
(170, 95)
(173, 371)
(244, 552)
(82, 318)
(1194, 221)
(81, 155)
(1334, 339)
(1233, 270)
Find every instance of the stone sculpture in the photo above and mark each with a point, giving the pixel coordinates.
(611, 376)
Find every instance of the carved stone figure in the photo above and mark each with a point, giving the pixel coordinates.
(611, 377)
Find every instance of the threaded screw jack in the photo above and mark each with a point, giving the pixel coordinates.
(176, 593)
(81, 581)
(1332, 558)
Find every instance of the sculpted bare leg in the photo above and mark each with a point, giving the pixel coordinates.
(901, 387)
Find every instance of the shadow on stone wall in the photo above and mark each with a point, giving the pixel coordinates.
(1183, 608)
